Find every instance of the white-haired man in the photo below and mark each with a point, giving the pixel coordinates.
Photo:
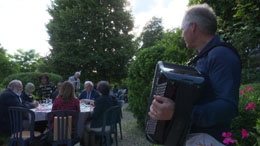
(89, 94)
(75, 81)
(11, 97)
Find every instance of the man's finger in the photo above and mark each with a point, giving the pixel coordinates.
(152, 115)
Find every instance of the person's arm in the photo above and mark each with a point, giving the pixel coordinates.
(219, 111)
(55, 105)
(40, 93)
(98, 109)
(77, 106)
(78, 84)
(30, 105)
(87, 101)
(82, 95)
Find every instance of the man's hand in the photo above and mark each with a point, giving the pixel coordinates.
(162, 108)
(87, 101)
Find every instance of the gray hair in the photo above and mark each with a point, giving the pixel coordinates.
(77, 73)
(204, 16)
(14, 83)
(88, 82)
(29, 86)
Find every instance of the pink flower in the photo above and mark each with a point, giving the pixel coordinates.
(250, 105)
(228, 138)
(244, 133)
(250, 88)
(242, 92)
(227, 135)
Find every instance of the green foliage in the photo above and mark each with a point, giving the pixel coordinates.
(7, 66)
(141, 70)
(247, 119)
(152, 32)
(32, 77)
(92, 37)
(27, 60)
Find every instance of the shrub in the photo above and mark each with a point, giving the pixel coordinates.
(32, 77)
(247, 118)
(141, 71)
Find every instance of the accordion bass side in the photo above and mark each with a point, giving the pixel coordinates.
(183, 85)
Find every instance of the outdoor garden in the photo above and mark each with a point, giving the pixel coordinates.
(94, 38)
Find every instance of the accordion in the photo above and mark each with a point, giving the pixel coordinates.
(183, 85)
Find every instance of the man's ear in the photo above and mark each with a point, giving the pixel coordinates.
(193, 27)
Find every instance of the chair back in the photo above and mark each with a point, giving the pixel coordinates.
(110, 118)
(17, 115)
(61, 125)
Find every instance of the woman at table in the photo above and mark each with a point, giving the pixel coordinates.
(66, 99)
(27, 97)
(102, 103)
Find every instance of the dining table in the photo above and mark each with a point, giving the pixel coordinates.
(85, 110)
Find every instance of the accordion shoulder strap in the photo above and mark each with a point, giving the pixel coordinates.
(195, 58)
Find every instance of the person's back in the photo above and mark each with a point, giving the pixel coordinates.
(66, 99)
(104, 102)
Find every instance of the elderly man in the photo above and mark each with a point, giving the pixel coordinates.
(11, 97)
(221, 68)
(89, 94)
(75, 81)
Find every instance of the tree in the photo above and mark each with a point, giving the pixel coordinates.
(92, 37)
(152, 32)
(27, 60)
(7, 66)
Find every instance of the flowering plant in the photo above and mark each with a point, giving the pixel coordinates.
(245, 127)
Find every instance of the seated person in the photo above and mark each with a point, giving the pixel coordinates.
(89, 94)
(102, 103)
(56, 92)
(66, 100)
(26, 95)
(46, 88)
(11, 97)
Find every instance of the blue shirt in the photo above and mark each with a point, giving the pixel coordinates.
(219, 102)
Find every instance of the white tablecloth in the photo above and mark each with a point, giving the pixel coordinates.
(85, 110)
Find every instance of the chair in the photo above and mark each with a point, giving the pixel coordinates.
(120, 103)
(17, 116)
(63, 125)
(110, 117)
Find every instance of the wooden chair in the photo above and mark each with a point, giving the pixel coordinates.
(63, 125)
(17, 117)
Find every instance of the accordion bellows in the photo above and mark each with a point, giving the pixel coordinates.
(183, 85)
